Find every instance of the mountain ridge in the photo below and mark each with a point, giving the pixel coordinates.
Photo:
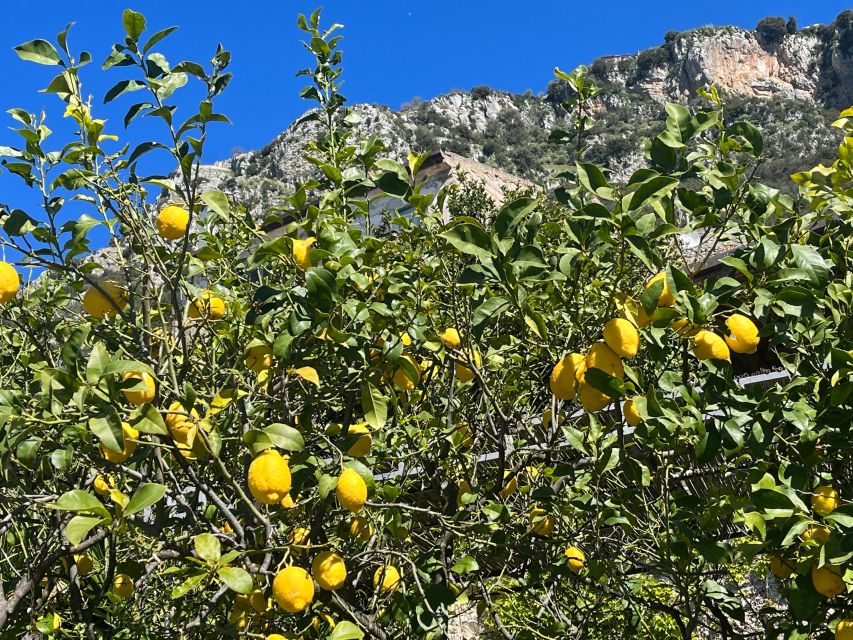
(790, 83)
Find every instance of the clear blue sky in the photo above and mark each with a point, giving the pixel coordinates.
(393, 51)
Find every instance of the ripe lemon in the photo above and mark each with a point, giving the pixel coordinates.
(542, 522)
(183, 428)
(602, 357)
(743, 336)
(816, 532)
(258, 358)
(592, 399)
(10, 282)
(269, 477)
(207, 305)
(83, 562)
(622, 337)
(782, 568)
(360, 529)
(631, 413)
(844, 629)
(239, 618)
(123, 586)
(707, 345)
(827, 580)
(172, 222)
(275, 636)
(666, 298)
(450, 338)
(293, 589)
(141, 396)
(101, 486)
(107, 304)
(254, 600)
(466, 374)
(402, 379)
(825, 500)
(130, 436)
(329, 570)
(299, 536)
(351, 491)
(564, 376)
(361, 446)
(684, 328)
(630, 309)
(406, 339)
(302, 252)
(386, 579)
(576, 560)
(510, 487)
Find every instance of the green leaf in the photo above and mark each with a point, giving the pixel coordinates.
(374, 406)
(656, 187)
(109, 431)
(39, 51)
(147, 419)
(285, 437)
(511, 214)
(466, 564)
(326, 484)
(146, 495)
(122, 87)
(157, 37)
(79, 526)
(604, 382)
(207, 547)
(236, 579)
(321, 287)
(187, 585)
(809, 260)
(217, 201)
(491, 308)
(79, 500)
(751, 134)
(134, 24)
(469, 238)
(346, 630)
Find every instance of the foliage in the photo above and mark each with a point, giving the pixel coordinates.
(477, 477)
(772, 29)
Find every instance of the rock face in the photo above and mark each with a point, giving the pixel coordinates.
(790, 85)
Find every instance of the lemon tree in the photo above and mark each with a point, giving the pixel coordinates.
(308, 425)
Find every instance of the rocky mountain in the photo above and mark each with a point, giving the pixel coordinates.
(790, 82)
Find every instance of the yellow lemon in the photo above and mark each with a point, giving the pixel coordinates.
(707, 345)
(622, 337)
(684, 328)
(351, 491)
(275, 636)
(743, 336)
(827, 580)
(564, 376)
(825, 500)
(299, 536)
(255, 600)
(269, 477)
(510, 487)
(302, 252)
(101, 486)
(130, 436)
(123, 586)
(207, 305)
(461, 490)
(816, 532)
(10, 282)
(172, 222)
(450, 338)
(631, 413)
(360, 529)
(576, 560)
(406, 339)
(183, 428)
(329, 570)
(466, 374)
(782, 568)
(844, 629)
(105, 305)
(258, 358)
(542, 522)
(140, 396)
(361, 446)
(592, 399)
(293, 589)
(602, 357)
(666, 298)
(386, 579)
(402, 379)
(83, 562)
